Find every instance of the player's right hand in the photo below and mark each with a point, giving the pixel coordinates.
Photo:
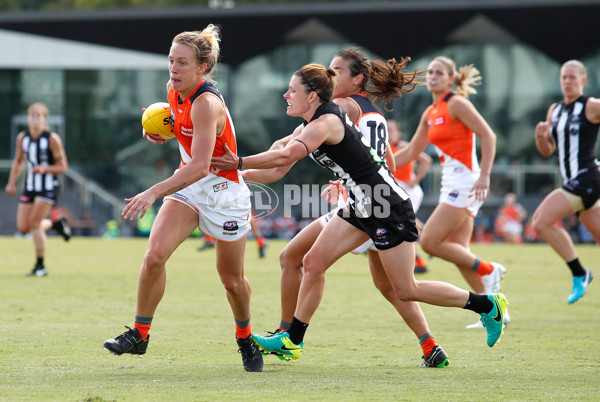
(11, 190)
(155, 139)
(542, 130)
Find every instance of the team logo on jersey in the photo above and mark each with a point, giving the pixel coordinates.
(230, 226)
(574, 129)
(454, 194)
(220, 187)
(439, 121)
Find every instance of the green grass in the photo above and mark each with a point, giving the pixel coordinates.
(357, 347)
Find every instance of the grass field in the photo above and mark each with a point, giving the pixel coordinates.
(357, 347)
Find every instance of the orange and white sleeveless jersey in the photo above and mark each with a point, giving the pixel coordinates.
(404, 173)
(455, 146)
(221, 199)
(184, 129)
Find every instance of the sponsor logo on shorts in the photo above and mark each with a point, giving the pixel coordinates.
(401, 227)
(180, 196)
(230, 226)
(572, 184)
(329, 216)
(454, 194)
(220, 187)
(380, 236)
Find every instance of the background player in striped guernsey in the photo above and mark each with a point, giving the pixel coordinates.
(196, 196)
(571, 128)
(451, 124)
(44, 153)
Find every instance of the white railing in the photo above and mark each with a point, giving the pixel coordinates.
(92, 195)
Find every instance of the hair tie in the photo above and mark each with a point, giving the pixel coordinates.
(307, 82)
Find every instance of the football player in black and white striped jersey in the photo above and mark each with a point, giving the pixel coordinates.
(44, 154)
(571, 129)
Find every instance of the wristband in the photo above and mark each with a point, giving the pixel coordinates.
(239, 163)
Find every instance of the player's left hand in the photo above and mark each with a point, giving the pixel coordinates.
(138, 205)
(332, 192)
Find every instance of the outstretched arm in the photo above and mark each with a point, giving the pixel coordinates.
(416, 145)
(314, 134)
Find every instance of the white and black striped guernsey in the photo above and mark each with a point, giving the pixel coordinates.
(37, 153)
(575, 137)
(353, 160)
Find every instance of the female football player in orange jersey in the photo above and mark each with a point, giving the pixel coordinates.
(44, 155)
(571, 128)
(196, 196)
(377, 209)
(451, 124)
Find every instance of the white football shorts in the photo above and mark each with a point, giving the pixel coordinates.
(223, 206)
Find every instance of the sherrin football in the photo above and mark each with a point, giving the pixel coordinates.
(157, 120)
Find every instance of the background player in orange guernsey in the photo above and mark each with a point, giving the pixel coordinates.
(197, 195)
(451, 124)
